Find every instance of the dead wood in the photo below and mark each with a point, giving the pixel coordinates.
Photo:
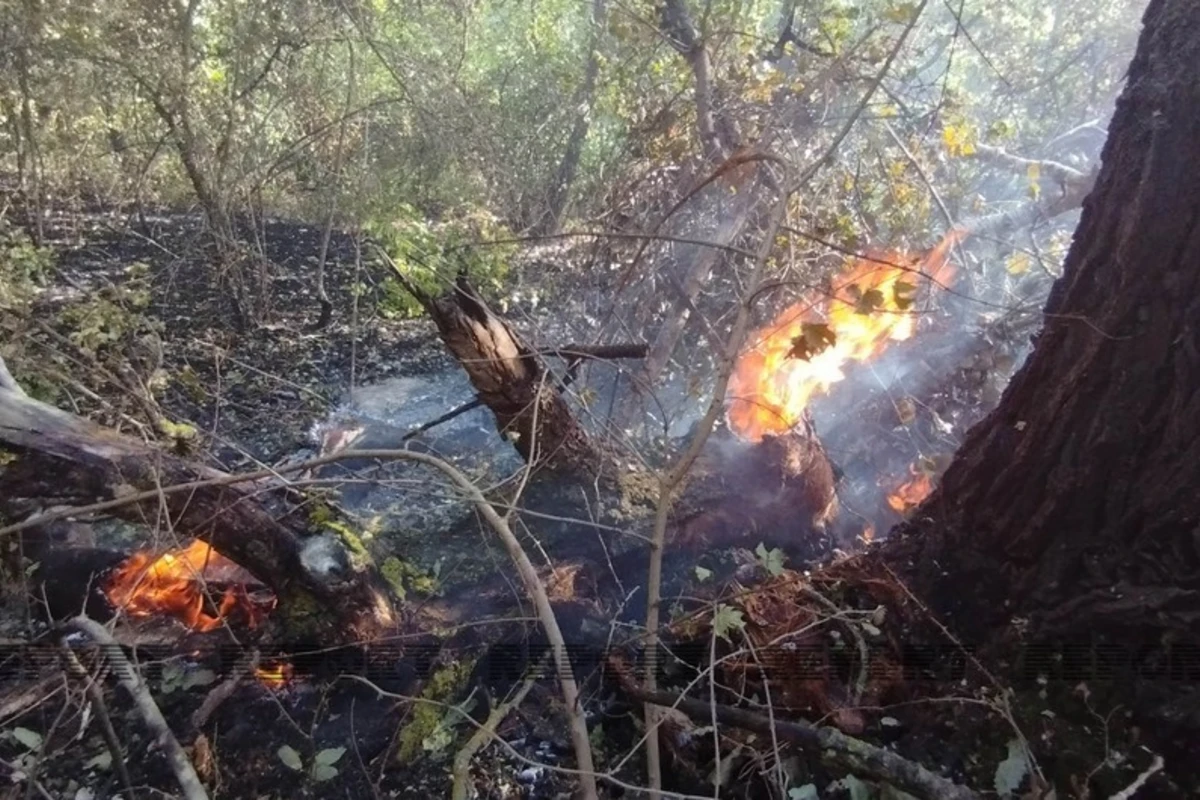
(856, 755)
(510, 378)
(574, 353)
(780, 491)
(67, 460)
(181, 765)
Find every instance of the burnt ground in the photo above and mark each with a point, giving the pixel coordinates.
(229, 383)
(255, 396)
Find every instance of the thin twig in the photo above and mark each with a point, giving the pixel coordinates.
(96, 696)
(128, 677)
(864, 758)
(1132, 789)
(482, 735)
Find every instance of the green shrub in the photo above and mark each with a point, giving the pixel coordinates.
(430, 254)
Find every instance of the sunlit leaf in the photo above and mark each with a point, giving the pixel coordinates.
(903, 294)
(726, 619)
(814, 338)
(1018, 264)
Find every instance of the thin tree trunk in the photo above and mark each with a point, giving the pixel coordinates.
(568, 168)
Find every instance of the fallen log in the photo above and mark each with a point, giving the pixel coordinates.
(57, 457)
(856, 755)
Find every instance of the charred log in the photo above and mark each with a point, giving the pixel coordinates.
(780, 491)
(70, 461)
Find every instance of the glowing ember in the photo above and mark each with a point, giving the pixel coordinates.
(174, 584)
(804, 351)
(910, 494)
(274, 675)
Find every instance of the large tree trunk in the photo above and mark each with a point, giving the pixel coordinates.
(322, 592)
(1075, 504)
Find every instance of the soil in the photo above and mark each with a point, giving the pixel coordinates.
(256, 396)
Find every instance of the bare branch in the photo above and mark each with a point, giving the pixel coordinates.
(863, 758)
(7, 382)
(1053, 169)
(128, 677)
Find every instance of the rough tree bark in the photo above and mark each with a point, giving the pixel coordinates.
(67, 460)
(1074, 505)
(510, 379)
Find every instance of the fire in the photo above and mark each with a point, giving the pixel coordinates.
(910, 494)
(274, 674)
(174, 584)
(804, 350)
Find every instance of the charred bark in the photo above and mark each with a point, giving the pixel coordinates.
(779, 492)
(511, 379)
(66, 460)
(1074, 504)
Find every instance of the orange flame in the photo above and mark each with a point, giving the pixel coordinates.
(803, 352)
(910, 494)
(174, 584)
(274, 675)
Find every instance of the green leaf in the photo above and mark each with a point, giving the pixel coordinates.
(725, 619)
(772, 561)
(290, 758)
(324, 772)
(437, 741)
(199, 677)
(814, 338)
(900, 13)
(31, 740)
(329, 756)
(703, 574)
(100, 761)
(1012, 771)
(172, 677)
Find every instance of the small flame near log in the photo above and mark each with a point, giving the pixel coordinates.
(910, 494)
(274, 674)
(174, 584)
(804, 350)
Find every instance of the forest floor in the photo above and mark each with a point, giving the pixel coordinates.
(255, 397)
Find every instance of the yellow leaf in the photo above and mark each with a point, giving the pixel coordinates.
(959, 140)
(1018, 264)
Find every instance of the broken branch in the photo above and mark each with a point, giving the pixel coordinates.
(861, 757)
(132, 682)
